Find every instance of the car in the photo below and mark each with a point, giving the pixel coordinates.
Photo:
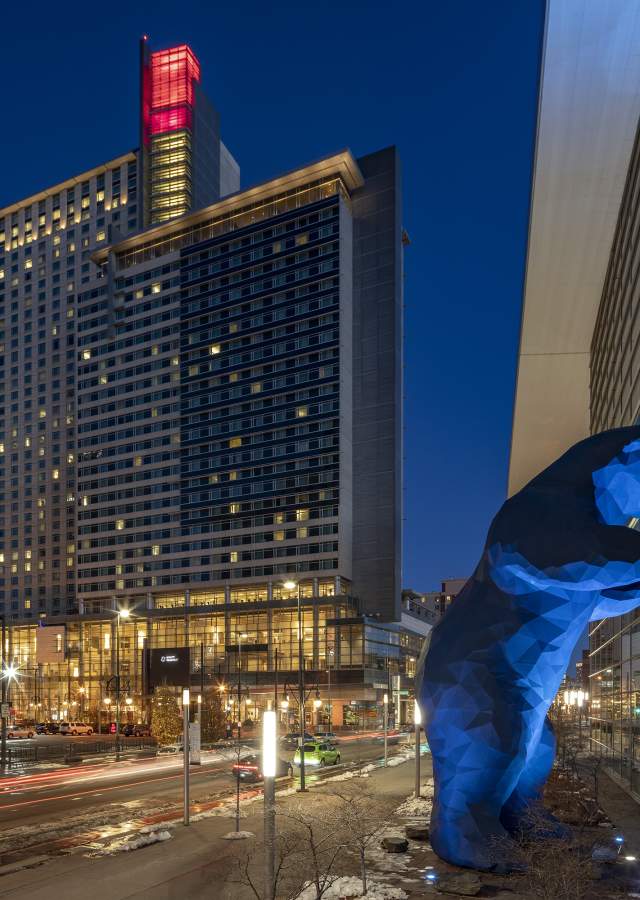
(292, 739)
(47, 728)
(317, 753)
(75, 728)
(139, 730)
(329, 737)
(250, 768)
(20, 731)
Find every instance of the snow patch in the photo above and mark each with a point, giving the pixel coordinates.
(349, 887)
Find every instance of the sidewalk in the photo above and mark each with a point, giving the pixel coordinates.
(623, 811)
(193, 864)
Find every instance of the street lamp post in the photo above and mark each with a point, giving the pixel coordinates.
(269, 743)
(317, 703)
(3, 757)
(385, 714)
(185, 751)
(329, 655)
(291, 586)
(124, 613)
(417, 721)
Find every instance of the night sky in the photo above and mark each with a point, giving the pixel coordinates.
(453, 85)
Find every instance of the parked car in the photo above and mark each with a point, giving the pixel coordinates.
(47, 728)
(74, 728)
(20, 731)
(292, 739)
(139, 730)
(317, 753)
(250, 768)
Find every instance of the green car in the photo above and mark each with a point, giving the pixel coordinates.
(317, 753)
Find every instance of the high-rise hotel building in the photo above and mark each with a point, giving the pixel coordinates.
(203, 402)
(46, 242)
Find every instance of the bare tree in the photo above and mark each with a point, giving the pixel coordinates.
(319, 845)
(307, 848)
(360, 819)
(288, 874)
(552, 868)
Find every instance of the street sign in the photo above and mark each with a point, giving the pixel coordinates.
(4, 710)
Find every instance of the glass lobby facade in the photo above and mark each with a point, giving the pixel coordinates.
(246, 649)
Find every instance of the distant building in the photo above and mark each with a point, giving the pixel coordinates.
(433, 602)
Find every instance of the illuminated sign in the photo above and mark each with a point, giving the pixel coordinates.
(171, 666)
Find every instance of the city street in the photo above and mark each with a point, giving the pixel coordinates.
(42, 796)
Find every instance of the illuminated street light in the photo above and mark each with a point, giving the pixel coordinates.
(11, 672)
(289, 585)
(269, 772)
(385, 714)
(417, 721)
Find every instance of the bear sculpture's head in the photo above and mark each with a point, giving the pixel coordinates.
(617, 487)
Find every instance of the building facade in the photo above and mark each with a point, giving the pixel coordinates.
(219, 448)
(579, 359)
(614, 644)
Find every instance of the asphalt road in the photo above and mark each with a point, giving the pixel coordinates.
(49, 795)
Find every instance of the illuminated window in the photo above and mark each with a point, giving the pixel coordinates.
(86, 354)
(302, 515)
(175, 360)
(233, 376)
(155, 287)
(193, 370)
(107, 641)
(137, 461)
(235, 442)
(70, 457)
(278, 518)
(214, 349)
(278, 535)
(301, 239)
(100, 236)
(233, 476)
(302, 532)
(139, 294)
(234, 508)
(104, 379)
(100, 196)
(302, 411)
(213, 479)
(56, 474)
(256, 388)
(85, 202)
(233, 556)
(233, 328)
(155, 350)
(154, 412)
(42, 413)
(119, 524)
(155, 550)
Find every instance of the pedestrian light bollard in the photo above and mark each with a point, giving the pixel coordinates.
(269, 771)
(417, 721)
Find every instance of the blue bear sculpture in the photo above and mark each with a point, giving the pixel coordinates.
(559, 554)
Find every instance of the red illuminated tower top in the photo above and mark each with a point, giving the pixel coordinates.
(168, 88)
(180, 136)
